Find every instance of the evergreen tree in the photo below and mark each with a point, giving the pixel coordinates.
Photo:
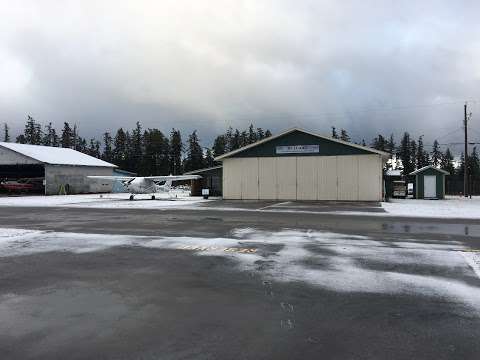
(6, 133)
(390, 145)
(137, 140)
(66, 140)
(447, 162)
(334, 133)
(252, 135)
(81, 145)
(268, 133)
(136, 148)
(404, 153)
(50, 137)
(474, 163)
(413, 154)
(379, 143)
(228, 139)
(120, 149)
(422, 158)
(219, 145)
(94, 148)
(260, 134)
(209, 162)
(32, 132)
(194, 158)
(344, 135)
(156, 160)
(176, 148)
(235, 140)
(130, 159)
(243, 139)
(107, 147)
(77, 142)
(436, 154)
(363, 142)
(21, 139)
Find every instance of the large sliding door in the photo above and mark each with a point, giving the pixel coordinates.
(348, 177)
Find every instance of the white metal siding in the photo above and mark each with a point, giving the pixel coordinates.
(347, 175)
(351, 177)
(75, 179)
(249, 176)
(307, 183)
(327, 178)
(10, 157)
(232, 181)
(369, 177)
(286, 178)
(267, 179)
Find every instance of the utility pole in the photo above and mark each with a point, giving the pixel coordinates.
(465, 154)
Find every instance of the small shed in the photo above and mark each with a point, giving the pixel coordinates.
(429, 182)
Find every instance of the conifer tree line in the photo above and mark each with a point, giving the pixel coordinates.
(143, 151)
(151, 152)
(413, 155)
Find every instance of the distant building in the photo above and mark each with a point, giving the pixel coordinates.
(211, 179)
(63, 170)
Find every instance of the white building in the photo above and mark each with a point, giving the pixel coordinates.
(61, 169)
(300, 165)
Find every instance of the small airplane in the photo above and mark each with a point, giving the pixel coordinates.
(148, 184)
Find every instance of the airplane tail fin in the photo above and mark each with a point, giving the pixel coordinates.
(168, 184)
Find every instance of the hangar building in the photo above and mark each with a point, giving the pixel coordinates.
(300, 165)
(62, 169)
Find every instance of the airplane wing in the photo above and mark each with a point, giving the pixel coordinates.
(173, 177)
(119, 178)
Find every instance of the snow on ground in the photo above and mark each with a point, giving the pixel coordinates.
(333, 261)
(450, 207)
(108, 201)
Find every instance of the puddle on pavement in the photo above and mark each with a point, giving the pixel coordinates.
(432, 228)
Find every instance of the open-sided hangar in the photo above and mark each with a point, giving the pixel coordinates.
(300, 165)
(63, 170)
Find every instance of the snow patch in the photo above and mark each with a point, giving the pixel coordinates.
(450, 207)
(338, 262)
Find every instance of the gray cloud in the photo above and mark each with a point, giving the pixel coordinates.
(362, 65)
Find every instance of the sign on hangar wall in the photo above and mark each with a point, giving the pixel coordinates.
(297, 149)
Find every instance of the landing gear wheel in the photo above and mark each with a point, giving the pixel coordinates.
(153, 197)
(131, 197)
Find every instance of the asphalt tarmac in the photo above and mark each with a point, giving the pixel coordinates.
(136, 302)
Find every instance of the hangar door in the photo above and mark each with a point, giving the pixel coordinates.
(350, 177)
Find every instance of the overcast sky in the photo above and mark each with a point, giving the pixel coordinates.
(367, 66)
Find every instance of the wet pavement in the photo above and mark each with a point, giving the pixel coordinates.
(161, 285)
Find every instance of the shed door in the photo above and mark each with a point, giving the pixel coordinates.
(429, 186)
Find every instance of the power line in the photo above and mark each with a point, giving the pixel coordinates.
(351, 111)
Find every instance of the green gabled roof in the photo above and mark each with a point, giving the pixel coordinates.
(250, 150)
(427, 168)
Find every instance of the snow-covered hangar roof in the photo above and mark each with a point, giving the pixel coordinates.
(366, 149)
(55, 155)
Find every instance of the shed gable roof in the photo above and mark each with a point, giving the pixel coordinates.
(249, 149)
(427, 168)
(55, 156)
